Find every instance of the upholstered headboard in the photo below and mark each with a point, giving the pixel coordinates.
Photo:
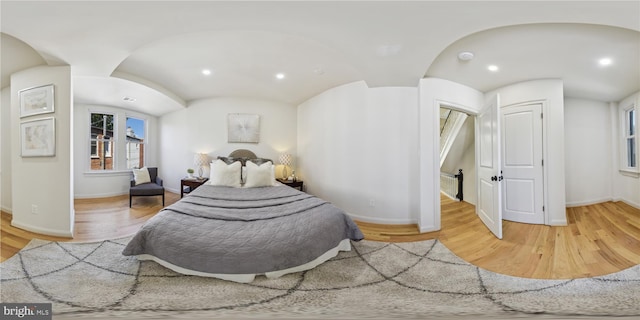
(242, 153)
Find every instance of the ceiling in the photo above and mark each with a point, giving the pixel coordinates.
(155, 51)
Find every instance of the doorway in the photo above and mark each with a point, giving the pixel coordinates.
(457, 154)
(521, 163)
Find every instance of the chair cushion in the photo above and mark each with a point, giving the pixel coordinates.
(146, 189)
(141, 176)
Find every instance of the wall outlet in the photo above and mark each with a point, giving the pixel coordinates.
(34, 209)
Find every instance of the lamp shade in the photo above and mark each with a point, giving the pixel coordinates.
(285, 159)
(200, 159)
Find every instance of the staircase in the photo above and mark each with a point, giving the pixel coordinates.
(451, 122)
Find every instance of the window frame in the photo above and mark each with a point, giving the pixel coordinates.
(145, 120)
(625, 136)
(113, 142)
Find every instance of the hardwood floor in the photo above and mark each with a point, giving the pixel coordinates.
(599, 239)
(95, 220)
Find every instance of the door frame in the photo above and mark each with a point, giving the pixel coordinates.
(474, 112)
(471, 112)
(545, 172)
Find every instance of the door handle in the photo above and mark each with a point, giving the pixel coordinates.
(494, 178)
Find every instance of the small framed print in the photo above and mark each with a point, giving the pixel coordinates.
(243, 128)
(38, 138)
(36, 100)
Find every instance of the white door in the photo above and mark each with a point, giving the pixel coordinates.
(522, 163)
(489, 207)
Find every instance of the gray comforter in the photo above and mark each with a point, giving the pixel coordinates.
(243, 230)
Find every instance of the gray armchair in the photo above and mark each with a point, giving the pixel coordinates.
(154, 188)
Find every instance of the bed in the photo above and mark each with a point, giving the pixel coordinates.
(238, 232)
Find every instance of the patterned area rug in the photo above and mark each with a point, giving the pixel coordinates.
(375, 280)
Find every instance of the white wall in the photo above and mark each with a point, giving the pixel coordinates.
(115, 182)
(626, 186)
(358, 149)
(550, 94)
(588, 151)
(435, 93)
(46, 182)
(202, 127)
(5, 150)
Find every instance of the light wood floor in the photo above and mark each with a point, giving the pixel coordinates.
(95, 220)
(599, 239)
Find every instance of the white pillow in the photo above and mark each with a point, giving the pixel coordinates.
(244, 174)
(227, 175)
(273, 176)
(141, 175)
(259, 176)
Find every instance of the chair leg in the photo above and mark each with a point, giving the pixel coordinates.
(130, 201)
(163, 199)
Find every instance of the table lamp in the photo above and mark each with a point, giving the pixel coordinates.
(285, 160)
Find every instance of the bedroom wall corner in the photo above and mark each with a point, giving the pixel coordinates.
(202, 127)
(588, 149)
(100, 184)
(357, 148)
(626, 186)
(5, 150)
(42, 187)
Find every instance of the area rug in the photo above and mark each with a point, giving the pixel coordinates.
(375, 280)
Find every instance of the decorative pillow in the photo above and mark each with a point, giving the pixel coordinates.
(244, 175)
(141, 175)
(230, 160)
(260, 161)
(227, 175)
(259, 175)
(273, 175)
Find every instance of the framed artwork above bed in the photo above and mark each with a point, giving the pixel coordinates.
(243, 127)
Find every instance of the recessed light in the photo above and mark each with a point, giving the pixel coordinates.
(280, 76)
(493, 68)
(465, 55)
(605, 61)
(206, 72)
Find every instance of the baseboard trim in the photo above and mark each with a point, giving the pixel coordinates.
(99, 195)
(46, 231)
(587, 202)
(631, 203)
(172, 190)
(108, 195)
(380, 220)
(7, 210)
(427, 229)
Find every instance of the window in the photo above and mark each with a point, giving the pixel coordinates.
(135, 143)
(630, 138)
(118, 140)
(102, 141)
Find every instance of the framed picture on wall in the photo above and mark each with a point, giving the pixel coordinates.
(243, 127)
(38, 138)
(36, 100)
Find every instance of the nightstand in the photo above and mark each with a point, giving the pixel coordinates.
(298, 184)
(189, 184)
